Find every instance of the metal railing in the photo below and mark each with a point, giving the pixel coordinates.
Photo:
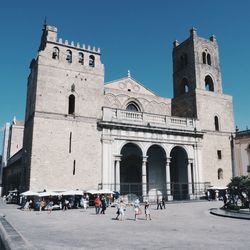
(176, 190)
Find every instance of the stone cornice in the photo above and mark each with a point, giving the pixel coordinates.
(150, 129)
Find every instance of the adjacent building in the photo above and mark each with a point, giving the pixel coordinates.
(242, 153)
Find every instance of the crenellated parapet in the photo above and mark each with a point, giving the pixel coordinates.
(67, 53)
(50, 36)
(72, 44)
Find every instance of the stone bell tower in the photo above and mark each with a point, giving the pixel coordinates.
(64, 101)
(198, 93)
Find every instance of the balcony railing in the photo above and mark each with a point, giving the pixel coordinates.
(148, 119)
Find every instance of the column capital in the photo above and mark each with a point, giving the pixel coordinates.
(190, 160)
(168, 160)
(118, 157)
(144, 158)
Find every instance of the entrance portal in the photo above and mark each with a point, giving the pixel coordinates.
(131, 170)
(156, 171)
(179, 173)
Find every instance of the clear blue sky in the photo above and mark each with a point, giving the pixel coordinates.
(132, 34)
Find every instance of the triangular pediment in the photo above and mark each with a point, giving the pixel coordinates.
(129, 84)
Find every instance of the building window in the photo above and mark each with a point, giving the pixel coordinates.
(81, 58)
(220, 174)
(185, 86)
(209, 85)
(74, 167)
(92, 61)
(204, 58)
(208, 59)
(248, 168)
(219, 154)
(70, 139)
(71, 110)
(69, 56)
(133, 107)
(55, 54)
(216, 123)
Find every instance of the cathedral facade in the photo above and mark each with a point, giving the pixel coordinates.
(82, 133)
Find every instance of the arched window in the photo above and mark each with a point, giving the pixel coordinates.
(216, 123)
(204, 58)
(185, 86)
(55, 53)
(69, 56)
(71, 105)
(209, 85)
(133, 107)
(208, 59)
(220, 174)
(81, 58)
(91, 61)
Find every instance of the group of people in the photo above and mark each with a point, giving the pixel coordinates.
(121, 208)
(161, 203)
(51, 203)
(100, 204)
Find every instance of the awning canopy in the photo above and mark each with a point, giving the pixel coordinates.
(29, 193)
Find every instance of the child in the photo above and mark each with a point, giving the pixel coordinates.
(147, 212)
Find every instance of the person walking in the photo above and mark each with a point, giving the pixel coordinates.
(158, 203)
(104, 205)
(122, 210)
(97, 204)
(147, 212)
(118, 211)
(163, 202)
(137, 208)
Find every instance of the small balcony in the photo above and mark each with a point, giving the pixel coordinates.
(148, 119)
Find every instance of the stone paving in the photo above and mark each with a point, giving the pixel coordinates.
(180, 226)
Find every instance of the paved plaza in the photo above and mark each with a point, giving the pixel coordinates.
(180, 226)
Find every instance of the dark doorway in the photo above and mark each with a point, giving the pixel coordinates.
(156, 171)
(131, 170)
(179, 173)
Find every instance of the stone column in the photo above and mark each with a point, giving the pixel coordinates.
(144, 177)
(168, 180)
(190, 178)
(117, 172)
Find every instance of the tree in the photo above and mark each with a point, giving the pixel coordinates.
(239, 190)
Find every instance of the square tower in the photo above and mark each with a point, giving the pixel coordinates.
(64, 103)
(198, 93)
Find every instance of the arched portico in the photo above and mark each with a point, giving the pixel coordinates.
(156, 171)
(131, 169)
(180, 173)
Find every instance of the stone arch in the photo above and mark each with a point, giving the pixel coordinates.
(185, 85)
(69, 56)
(209, 83)
(131, 169)
(92, 61)
(133, 100)
(156, 170)
(217, 124)
(138, 144)
(71, 104)
(208, 59)
(179, 172)
(55, 53)
(220, 174)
